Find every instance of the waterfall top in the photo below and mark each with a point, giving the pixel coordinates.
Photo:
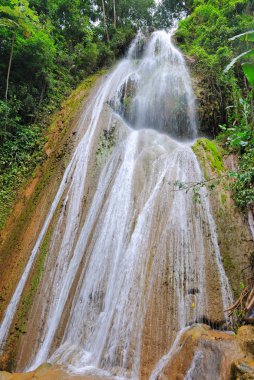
(156, 93)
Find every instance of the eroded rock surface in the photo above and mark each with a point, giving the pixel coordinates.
(234, 235)
(200, 353)
(46, 372)
(206, 354)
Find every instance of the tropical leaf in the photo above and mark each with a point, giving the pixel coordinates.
(248, 69)
(247, 36)
(250, 54)
(246, 53)
(8, 22)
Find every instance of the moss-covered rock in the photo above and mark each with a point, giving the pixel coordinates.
(105, 146)
(234, 235)
(210, 156)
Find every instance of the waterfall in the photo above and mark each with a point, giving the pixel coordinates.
(122, 278)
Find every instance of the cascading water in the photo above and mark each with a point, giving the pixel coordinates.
(143, 261)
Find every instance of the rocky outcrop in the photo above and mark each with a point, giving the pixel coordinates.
(243, 370)
(234, 235)
(199, 353)
(205, 354)
(46, 372)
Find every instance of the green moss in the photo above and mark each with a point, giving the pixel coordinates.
(105, 146)
(229, 269)
(13, 241)
(21, 318)
(223, 198)
(29, 294)
(209, 154)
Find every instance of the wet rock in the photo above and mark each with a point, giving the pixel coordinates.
(193, 291)
(200, 353)
(234, 235)
(47, 372)
(123, 101)
(5, 375)
(242, 370)
(245, 336)
(203, 354)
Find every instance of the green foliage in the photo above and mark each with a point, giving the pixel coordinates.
(56, 44)
(128, 12)
(239, 135)
(19, 16)
(19, 154)
(196, 187)
(239, 138)
(243, 186)
(206, 35)
(168, 10)
(47, 48)
(248, 67)
(121, 38)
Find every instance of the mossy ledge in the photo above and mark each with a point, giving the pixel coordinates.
(210, 156)
(33, 201)
(232, 228)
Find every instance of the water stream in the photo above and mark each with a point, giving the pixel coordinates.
(143, 261)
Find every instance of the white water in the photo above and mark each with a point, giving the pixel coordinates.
(144, 250)
(251, 222)
(165, 359)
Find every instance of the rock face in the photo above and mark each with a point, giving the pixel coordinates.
(199, 353)
(45, 372)
(242, 370)
(205, 354)
(26, 221)
(234, 235)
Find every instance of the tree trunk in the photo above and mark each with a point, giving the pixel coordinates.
(43, 89)
(9, 69)
(105, 19)
(114, 9)
(8, 79)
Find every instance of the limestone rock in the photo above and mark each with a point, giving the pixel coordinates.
(245, 335)
(243, 370)
(205, 354)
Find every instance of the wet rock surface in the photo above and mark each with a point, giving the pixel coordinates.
(242, 370)
(233, 231)
(200, 354)
(46, 372)
(206, 354)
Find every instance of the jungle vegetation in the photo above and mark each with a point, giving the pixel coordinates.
(48, 46)
(214, 34)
